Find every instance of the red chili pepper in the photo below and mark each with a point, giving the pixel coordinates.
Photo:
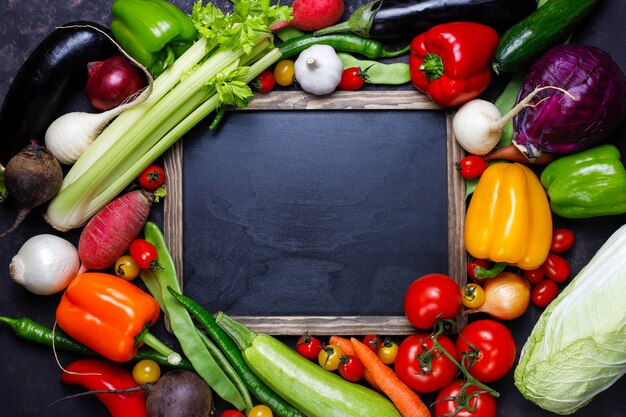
(99, 374)
(452, 62)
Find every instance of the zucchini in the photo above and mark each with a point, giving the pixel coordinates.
(308, 387)
(545, 27)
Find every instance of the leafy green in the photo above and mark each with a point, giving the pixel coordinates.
(578, 346)
(230, 89)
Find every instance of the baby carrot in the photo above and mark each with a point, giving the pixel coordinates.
(406, 401)
(348, 349)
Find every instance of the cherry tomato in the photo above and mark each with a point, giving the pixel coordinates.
(472, 295)
(423, 367)
(309, 346)
(329, 357)
(352, 79)
(264, 82)
(533, 276)
(487, 349)
(146, 371)
(544, 292)
(151, 178)
(471, 166)
(126, 268)
(388, 351)
(351, 368)
(562, 240)
(143, 253)
(372, 341)
(260, 411)
(458, 401)
(556, 268)
(431, 297)
(284, 72)
(231, 413)
(471, 268)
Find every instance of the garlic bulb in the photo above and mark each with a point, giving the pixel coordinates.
(318, 69)
(45, 264)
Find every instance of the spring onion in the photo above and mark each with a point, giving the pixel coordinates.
(232, 50)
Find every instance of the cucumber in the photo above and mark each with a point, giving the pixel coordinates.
(305, 385)
(546, 26)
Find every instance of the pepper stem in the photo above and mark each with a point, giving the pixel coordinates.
(432, 66)
(151, 340)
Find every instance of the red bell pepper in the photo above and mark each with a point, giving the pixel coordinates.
(451, 62)
(99, 374)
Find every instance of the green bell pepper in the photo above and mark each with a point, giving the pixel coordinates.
(586, 184)
(154, 32)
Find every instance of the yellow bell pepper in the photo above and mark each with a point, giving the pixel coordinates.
(508, 218)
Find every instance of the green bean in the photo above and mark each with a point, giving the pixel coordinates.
(341, 42)
(32, 331)
(182, 325)
(258, 388)
(377, 72)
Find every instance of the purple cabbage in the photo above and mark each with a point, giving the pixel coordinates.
(558, 123)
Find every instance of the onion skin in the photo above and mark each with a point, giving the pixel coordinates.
(561, 124)
(507, 297)
(111, 82)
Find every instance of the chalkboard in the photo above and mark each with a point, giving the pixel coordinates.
(293, 227)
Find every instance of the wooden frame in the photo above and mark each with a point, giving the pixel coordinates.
(340, 100)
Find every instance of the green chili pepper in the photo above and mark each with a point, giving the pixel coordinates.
(32, 331)
(585, 184)
(258, 388)
(395, 73)
(341, 42)
(154, 32)
(182, 324)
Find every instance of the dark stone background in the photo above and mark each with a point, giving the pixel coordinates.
(28, 373)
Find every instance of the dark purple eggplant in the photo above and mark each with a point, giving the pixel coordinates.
(49, 77)
(400, 19)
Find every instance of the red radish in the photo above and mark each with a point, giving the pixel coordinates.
(109, 233)
(310, 15)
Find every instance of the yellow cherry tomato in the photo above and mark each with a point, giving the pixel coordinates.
(330, 357)
(146, 371)
(284, 72)
(126, 268)
(260, 411)
(472, 295)
(388, 351)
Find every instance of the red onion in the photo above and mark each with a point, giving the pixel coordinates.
(112, 81)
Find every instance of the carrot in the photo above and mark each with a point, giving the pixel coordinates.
(513, 154)
(348, 349)
(406, 400)
(108, 234)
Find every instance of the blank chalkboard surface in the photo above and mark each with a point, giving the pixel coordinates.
(314, 213)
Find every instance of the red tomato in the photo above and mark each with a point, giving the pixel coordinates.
(151, 178)
(471, 166)
(373, 342)
(534, 276)
(421, 366)
(454, 401)
(231, 413)
(264, 82)
(309, 346)
(352, 79)
(431, 297)
(556, 268)
(143, 253)
(471, 268)
(544, 292)
(562, 240)
(487, 349)
(351, 368)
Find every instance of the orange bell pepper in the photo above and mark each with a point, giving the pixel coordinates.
(109, 315)
(509, 218)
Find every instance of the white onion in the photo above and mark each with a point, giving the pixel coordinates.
(45, 264)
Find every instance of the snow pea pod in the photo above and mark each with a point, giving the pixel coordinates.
(395, 73)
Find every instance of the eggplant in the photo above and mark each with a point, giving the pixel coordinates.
(50, 76)
(400, 19)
